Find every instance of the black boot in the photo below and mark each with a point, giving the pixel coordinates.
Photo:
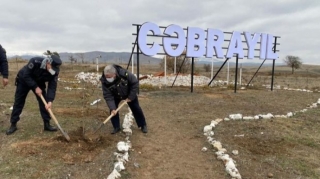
(144, 129)
(48, 127)
(12, 129)
(115, 130)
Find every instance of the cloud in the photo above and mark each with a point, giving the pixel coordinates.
(81, 26)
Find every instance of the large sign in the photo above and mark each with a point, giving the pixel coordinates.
(208, 43)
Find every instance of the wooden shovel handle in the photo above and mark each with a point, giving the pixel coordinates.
(49, 110)
(55, 119)
(111, 115)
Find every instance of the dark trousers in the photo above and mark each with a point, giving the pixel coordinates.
(136, 111)
(22, 91)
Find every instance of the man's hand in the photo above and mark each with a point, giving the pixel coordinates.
(113, 112)
(48, 106)
(128, 100)
(5, 81)
(38, 91)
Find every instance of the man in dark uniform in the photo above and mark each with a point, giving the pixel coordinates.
(4, 66)
(119, 84)
(33, 77)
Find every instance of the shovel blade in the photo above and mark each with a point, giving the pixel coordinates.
(64, 133)
(98, 128)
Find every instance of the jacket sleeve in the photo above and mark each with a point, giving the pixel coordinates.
(108, 97)
(52, 88)
(3, 63)
(133, 86)
(27, 74)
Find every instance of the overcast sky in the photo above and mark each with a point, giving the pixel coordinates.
(33, 26)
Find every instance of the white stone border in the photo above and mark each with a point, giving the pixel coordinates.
(122, 154)
(230, 164)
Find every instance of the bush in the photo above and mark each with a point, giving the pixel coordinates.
(206, 67)
(179, 60)
(147, 87)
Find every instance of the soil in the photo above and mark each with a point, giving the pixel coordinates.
(172, 147)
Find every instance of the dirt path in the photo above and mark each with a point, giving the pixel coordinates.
(169, 153)
(172, 148)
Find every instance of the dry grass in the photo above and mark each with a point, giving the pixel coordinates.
(287, 148)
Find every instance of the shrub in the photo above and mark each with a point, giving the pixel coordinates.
(147, 87)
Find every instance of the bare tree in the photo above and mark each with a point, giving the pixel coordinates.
(180, 62)
(207, 67)
(81, 57)
(293, 61)
(72, 59)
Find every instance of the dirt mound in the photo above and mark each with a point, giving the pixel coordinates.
(80, 148)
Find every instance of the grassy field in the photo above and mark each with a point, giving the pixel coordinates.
(281, 148)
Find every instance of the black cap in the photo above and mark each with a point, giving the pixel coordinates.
(56, 62)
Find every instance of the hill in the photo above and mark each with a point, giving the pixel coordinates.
(104, 57)
(123, 57)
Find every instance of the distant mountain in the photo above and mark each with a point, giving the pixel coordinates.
(233, 64)
(104, 57)
(123, 57)
(111, 57)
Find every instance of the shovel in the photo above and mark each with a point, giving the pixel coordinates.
(55, 120)
(111, 115)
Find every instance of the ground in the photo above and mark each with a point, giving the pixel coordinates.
(281, 148)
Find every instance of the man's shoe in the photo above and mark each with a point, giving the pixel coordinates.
(115, 130)
(12, 129)
(144, 129)
(48, 127)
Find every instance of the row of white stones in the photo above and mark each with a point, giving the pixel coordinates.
(122, 154)
(181, 80)
(221, 152)
(93, 78)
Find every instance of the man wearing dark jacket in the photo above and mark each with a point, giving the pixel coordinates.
(34, 76)
(119, 84)
(4, 66)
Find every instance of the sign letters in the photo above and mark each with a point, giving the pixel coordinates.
(198, 42)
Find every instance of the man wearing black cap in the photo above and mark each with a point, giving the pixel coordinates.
(3, 66)
(33, 77)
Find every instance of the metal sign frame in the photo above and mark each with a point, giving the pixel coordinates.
(236, 55)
